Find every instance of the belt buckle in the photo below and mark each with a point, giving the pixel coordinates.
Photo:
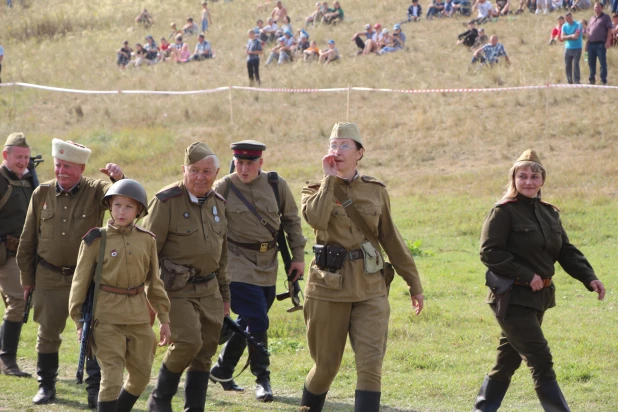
(263, 247)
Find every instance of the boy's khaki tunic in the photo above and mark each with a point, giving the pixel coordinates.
(349, 301)
(122, 333)
(55, 235)
(194, 236)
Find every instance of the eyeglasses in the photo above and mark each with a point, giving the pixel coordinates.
(344, 147)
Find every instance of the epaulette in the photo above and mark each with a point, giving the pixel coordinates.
(220, 197)
(313, 183)
(92, 235)
(141, 229)
(369, 179)
(550, 205)
(167, 194)
(505, 201)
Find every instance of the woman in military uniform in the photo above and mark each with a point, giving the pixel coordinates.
(347, 286)
(521, 240)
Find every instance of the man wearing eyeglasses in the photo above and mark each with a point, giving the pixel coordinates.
(255, 214)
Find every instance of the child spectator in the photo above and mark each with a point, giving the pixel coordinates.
(468, 37)
(315, 16)
(481, 40)
(555, 33)
(141, 55)
(287, 24)
(145, 18)
(415, 11)
(124, 55)
(372, 45)
(126, 283)
(253, 51)
(175, 32)
(152, 51)
(335, 15)
(185, 54)
(301, 45)
(164, 49)
(190, 28)
(584, 29)
(206, 20)
(448, 8)
(397, 41)
(312, 53)
(435, 9)
(329, 55)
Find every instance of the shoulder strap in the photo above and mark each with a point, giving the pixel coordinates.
(355, 217)
(243, 199)
(273, 179)
(98, 271)
(6, 196)
(226, 192)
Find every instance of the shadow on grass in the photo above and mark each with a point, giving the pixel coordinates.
(335, 406)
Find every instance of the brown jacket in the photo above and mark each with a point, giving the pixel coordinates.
(249, 266)
(130, 261)
(191, 235)
(332, 226)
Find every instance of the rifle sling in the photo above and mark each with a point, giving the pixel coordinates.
(97, 273)
(243, 199)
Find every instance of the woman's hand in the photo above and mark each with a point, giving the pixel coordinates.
(598, 287)
(537, 283)
(165, 334)
(226, 308)
(328, 165)
(417, 303)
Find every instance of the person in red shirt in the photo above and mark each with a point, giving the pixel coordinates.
(555, 33)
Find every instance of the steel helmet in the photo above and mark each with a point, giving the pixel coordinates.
(129, 188)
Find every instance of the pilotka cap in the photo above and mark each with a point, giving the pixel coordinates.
(16, 139)
(196, 152)
(345, 130)
(529, 155)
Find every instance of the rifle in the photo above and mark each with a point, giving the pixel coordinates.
(232, 325)
(32, 164)
(84, 347)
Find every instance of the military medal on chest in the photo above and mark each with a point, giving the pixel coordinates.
(215, 213)
(114, 253)
(185, 215)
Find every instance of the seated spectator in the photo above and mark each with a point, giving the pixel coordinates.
(152, 51)
(145, 18)
(175, 32)
(124, 55)
(463, 7)
(543, 6)
(491, 52)
(279, 12)
(368, 34)
(397, 41)
(315, 16)
(185, 54)
(384, 40)
(203, 49)
(448, 8)
(329, 55)
(312, 52)
(555, 33)
(302, 44)
(502, 7)
(287, 24)
(174, 49)
(190, 28)
(279, 52)
(141, 56)
(435, 9)
(485, 11)
(481, 40)
(372, 45)
(269, 31)
(334, 16)
(468, 37)
(580, 5)
(415, 11)
(164, 49)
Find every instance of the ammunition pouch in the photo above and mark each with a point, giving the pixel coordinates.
(329, 257)
(388, 272)
(372, 258)
(175, 277)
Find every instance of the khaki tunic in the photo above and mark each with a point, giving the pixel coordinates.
(250, 266)
(332, 226)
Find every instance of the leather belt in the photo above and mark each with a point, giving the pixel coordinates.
(201, 279)
(120, 291)
(355, 254)
(546, 283)
(261, 247)
(65, 270)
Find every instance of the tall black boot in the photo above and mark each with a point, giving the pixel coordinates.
(93, 381)
(47, 369)
(126, 401)
(109, 406)
(551, 397)
(9, 340)
(367, 401)
(313, 401)
(228, 359)
(259, 367)
(196, 385)
(490, 395)
(160, 399)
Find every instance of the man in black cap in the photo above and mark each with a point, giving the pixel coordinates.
(252, 257)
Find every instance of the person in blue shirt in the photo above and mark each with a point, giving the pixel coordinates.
(571, 35)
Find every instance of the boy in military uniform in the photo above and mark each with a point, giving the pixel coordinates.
(16, 188)
(61, 211)
(122, 334)
(253, 256)
(188, 218)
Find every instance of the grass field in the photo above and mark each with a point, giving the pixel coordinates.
(443, 156)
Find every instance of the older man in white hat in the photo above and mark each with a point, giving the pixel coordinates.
(61, 212)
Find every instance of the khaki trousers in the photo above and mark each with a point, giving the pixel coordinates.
(196, 326)
(328, 326)
(117, 346)
(11, 291)
(51, 310)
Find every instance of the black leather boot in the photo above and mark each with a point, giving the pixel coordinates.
(9, 340)
(228, 359)
(367, 401)
(196, 386)
(551, 397)
(160, 399)
(126, 401)
(93, 381)
(47, 370)
(490, 395)
(109, 406)
(313, 401)
(259, 367)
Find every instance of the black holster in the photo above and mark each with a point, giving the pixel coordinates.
(501, 287)
(329, 258)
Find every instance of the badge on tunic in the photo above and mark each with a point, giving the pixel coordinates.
(44, 205)
(186, 215)
(214, 211)
(217, 219)
(114, 253)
